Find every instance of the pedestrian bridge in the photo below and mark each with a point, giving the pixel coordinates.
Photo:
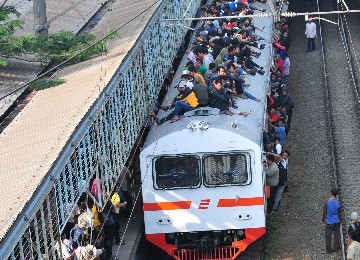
(83, 129)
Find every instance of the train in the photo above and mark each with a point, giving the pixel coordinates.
(203, 181)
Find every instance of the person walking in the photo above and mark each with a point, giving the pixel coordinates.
(310, 33)
(331, 217)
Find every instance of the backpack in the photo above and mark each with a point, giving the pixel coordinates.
(282, 174)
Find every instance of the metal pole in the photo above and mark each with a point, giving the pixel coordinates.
(40, 20)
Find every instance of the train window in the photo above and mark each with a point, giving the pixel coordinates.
(226, 169)
(172, 172)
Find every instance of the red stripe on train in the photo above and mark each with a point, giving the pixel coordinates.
(227, 203)
(174, 205)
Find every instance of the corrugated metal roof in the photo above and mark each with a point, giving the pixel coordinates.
(33, 141)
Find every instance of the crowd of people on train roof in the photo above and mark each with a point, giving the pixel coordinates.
(224, 55)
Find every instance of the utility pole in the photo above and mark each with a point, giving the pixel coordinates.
(40, 20)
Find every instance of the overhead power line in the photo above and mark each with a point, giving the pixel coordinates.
(262, 15)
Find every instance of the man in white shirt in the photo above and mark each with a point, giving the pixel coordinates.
(66, 248)
(310, 33)
(353, 250)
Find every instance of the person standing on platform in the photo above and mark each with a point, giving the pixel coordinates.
(310, 33)
(331, 217)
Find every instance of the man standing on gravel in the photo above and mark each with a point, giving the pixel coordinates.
(331, 217)
(310, 33)
(272, 179)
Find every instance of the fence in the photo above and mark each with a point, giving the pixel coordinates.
(102, 143)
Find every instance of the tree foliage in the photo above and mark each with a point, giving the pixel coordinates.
(8, 26)
(41, 84)
(55, 47)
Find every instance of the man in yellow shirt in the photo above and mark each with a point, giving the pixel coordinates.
(118, 202)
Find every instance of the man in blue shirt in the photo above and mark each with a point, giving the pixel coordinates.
(332, 217)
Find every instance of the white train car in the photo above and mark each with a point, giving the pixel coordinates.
(203, 181)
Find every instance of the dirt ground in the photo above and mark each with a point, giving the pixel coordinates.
(295, 231)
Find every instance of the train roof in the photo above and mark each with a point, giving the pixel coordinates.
(249, 127)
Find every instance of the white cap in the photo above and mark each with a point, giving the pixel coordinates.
(182, 84)
(354, 216)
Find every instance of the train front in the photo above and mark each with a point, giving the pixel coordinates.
(203, 185)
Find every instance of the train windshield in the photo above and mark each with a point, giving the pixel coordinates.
(176, 172)
(226, 169)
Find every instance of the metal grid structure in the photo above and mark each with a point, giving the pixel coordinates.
(102, 143)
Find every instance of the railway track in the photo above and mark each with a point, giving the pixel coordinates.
(342, 101)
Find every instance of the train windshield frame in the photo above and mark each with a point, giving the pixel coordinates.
(227, 169)
(176, 172)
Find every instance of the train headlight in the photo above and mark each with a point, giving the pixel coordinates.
(192, 127)
(203, 126)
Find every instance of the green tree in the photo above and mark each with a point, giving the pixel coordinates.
(55, 47)
(8, 43)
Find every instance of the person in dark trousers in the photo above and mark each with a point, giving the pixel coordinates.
(109, 228)
(310, 33)
(331, 217)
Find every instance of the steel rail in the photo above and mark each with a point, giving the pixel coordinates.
(330, 128)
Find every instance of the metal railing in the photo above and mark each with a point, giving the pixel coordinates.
(101, 145)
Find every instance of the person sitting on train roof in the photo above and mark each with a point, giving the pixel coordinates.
(210, 73)
(218, 97)
(230, 55)
(201, 91)
(185, 101)
(249, 65)
(193, 72)
(200, 67)
(239, 83)
(186, 77)
(245, 37)
(203, 54)
(220, 56)
(217, 45)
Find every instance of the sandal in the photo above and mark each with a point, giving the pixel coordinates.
(174, 119)
(227, 112)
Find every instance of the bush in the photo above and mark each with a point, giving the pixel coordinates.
(41, 84)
